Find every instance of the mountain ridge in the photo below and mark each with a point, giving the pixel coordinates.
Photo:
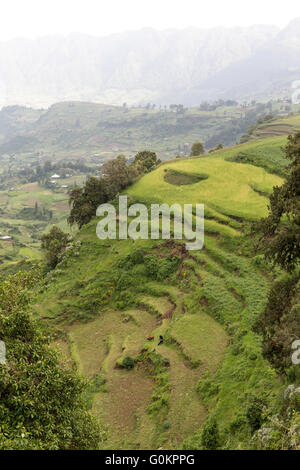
(162, 67)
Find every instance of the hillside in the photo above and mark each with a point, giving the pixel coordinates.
(20, 190)
(18, 197)
(266, 141)
(95, 132)
(112, 300)
(79, 134)
(279, 126)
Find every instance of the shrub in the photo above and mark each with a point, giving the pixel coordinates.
(210, 438)
(128, 363)
(160, 269)
(197, 149)
(54, 244)
(254, 413)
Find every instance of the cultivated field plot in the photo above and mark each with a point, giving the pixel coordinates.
(26, 212)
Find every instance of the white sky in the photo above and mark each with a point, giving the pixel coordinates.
(34, 18)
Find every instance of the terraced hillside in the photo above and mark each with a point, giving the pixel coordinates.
(279, 127)
(265, 143)
(165, 335)
(18, 200)
(18, 218)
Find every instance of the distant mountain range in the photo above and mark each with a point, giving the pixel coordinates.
(163, 67)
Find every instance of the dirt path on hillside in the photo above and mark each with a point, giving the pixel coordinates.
(128, 394)
(186, 411)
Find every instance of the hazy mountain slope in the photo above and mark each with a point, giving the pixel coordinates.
(139, 66)
(269, 71)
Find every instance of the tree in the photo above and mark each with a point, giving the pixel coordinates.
(84, 201)
(279, 323)
(116, 174)
(42, 404)
(280, 242)
(280, 231)
(145, 160)
(197, 149)
(53, 245)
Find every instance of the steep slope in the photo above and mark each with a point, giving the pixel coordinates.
(110, 300)
(269, 72)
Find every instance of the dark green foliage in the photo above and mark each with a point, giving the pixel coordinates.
(84, 201)
(124, 281)
(210, 438)
(116, 176)
(179, 178)
(128, 363)
(254, 413)
(146, 160)
(135, 257)
(161, 268)
(280, 321)
(35, 213)
(280, 243)
(53, 244)
(96, 385)
(207, 388)
(197, 149)
(280, 240)
(42, 405)
(271, 158)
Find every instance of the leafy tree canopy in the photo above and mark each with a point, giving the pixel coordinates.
(146, 159)
(116, 176)
(53, 245)
(280, 240)
(197, 149)
(42, 405)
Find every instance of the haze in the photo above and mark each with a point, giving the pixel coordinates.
(33, 18)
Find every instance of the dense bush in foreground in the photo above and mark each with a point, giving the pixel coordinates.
(41, 404)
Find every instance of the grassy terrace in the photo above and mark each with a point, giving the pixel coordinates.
(114, 299)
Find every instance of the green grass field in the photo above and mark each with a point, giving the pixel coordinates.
(230, 188)
(24, 228)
